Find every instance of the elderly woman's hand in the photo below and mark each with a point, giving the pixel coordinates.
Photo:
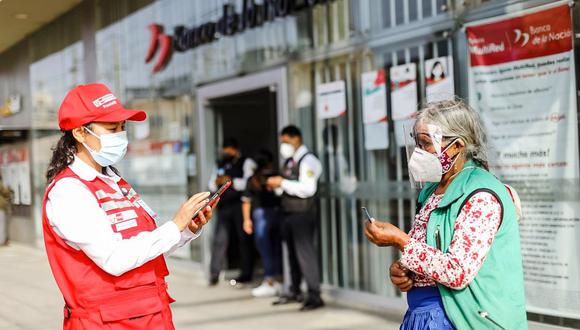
(385, 234)
(400, 277)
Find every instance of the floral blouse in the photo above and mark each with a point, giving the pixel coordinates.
(475, 230)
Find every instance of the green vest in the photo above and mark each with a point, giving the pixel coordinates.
(498, 287)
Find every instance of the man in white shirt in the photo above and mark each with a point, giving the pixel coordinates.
(298, 187)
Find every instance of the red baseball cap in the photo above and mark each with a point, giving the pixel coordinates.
(93, 103)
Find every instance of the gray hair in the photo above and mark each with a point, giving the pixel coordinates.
(456, 118)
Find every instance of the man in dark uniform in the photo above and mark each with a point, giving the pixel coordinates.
(298, 187)
(233, 166)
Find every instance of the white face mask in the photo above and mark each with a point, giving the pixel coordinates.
(437, 71)
(287, 150)
(113, 147)
(425, 167)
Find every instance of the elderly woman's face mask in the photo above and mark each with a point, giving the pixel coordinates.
(430, 159)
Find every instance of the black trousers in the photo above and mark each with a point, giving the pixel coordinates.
(299, 231)
(229, 220)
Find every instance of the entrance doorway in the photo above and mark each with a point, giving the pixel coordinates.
(248, 117)
(251, 109)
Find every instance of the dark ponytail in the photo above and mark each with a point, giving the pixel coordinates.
(62, 155)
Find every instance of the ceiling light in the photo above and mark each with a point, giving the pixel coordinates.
(21, 16)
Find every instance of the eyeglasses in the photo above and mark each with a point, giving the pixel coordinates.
(427, 142)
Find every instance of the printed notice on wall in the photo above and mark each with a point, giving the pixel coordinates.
(331, 99)
(522, 82)
(374, 101)
(15, 171)
(403, 98)
(439, 79)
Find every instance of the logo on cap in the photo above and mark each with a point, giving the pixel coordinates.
(105, 101)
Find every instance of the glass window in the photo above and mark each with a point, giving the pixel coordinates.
(50, 79)
(156, 164)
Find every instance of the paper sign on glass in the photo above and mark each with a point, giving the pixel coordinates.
(439, 79)
(331, 99)
(403, 98)
(374, 95)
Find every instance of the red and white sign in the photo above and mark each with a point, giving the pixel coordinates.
(520, 38)
(522, 81)
(15, 171)
(374, 108)
(374, 92)
(404, 101)
(331, 99)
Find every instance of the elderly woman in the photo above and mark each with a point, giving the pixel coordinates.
(461, 262)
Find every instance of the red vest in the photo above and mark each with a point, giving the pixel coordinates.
(94, 299)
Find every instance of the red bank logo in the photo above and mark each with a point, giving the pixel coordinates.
(159, 40)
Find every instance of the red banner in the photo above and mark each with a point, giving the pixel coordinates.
(539, 34)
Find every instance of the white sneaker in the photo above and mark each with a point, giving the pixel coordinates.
(267, 290)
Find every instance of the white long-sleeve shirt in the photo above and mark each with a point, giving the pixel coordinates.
(309, 173)
(238, 184)
(75, 215)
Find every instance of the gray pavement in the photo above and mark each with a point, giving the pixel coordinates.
(29, 299)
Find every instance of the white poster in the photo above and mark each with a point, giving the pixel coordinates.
(374, 102)
(141, 129)
(24, 183)
(15, 170)
(374, 95)
(439, 79)
(331, 99)
(14, 175)
(403, 98)
(522, 81)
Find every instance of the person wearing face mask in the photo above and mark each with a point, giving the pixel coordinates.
(104, 247)
(461, 263)
(298, 187)
(437, 72)
(232, 166)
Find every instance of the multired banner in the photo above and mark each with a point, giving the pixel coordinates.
(522, 81)
(520, 38)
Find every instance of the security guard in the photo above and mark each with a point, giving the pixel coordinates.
(103, 245)
(298, 186)
(232, 166)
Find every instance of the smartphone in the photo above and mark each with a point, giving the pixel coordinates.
(366, 214)
(213, 199)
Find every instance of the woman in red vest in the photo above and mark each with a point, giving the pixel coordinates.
(104, 247)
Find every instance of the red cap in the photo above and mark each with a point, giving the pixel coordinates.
(93, 102)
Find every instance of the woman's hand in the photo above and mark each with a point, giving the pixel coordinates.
(385, 234)
(183, 217)
(400, 277)
(248, 226)
(202, 219)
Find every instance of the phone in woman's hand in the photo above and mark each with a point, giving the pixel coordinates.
(367, 214)
(213, 199)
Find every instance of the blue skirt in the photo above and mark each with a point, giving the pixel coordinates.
(426, 311)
